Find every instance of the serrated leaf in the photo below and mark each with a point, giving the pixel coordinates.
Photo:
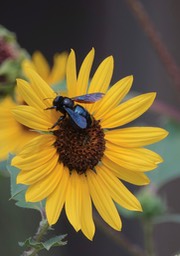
(18, 190)
(15, 188)
(54, 241)
(169, 149)
(21, 202)
(28, 243)
(47, 245)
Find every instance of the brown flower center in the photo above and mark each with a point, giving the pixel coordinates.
(79, 149)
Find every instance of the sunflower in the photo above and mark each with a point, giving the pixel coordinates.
(72, 167)
(41, 66)
(13, 135)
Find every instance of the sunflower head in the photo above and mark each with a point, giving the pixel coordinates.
(39, 63)
(79, 149)
(73, 166)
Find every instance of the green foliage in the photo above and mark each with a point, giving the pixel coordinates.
(10, 67)
(47, 245)
(33, 244)
(37, 243)
(152, 204)
(18, 190)
(3, 170)
(7, 35)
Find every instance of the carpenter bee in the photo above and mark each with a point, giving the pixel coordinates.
(79, 116)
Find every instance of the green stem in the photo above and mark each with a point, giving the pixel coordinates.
(42, 230)
(148, 237)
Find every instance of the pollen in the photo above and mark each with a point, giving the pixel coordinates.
(79, 149)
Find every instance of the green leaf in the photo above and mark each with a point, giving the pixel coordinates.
(47, 245)
(54, 242)
(18, 190)
(15, 188)
(3, 170)
(169, 149)
(28, 243)
(7, 35)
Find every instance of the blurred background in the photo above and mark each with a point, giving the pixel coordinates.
(112, 29)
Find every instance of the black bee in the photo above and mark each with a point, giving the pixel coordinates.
(79, 116)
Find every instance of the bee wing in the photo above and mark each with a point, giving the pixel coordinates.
(88, 98)
(79, 120)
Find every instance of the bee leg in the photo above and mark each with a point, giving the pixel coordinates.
(58, 121)
(53, 107)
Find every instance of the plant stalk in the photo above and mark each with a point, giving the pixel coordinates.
(148, 237)
(149, 28)
(42, 230)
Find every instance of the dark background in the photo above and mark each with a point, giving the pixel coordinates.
(109, 27)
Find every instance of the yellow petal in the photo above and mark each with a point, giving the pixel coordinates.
(102, 201)
(27, 63)
(33, 118)
(87, 223)
(12, 135)
(7, 120)
(37, 144)
(134, 177)
(23, 137)
(151, 155)
(102, 77)
(71, 76)
(32, 176)
(135, 136)
(56, 199)
(128, 111)
(132, 159)
(34, 160)
(83, 76)
(41, 65)
(101, 80)
(59, 68)
(13, 139)
(112, 98)
(40, 87)
(73, 201)
(44, 187)
(117, 190)
(28, 95)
